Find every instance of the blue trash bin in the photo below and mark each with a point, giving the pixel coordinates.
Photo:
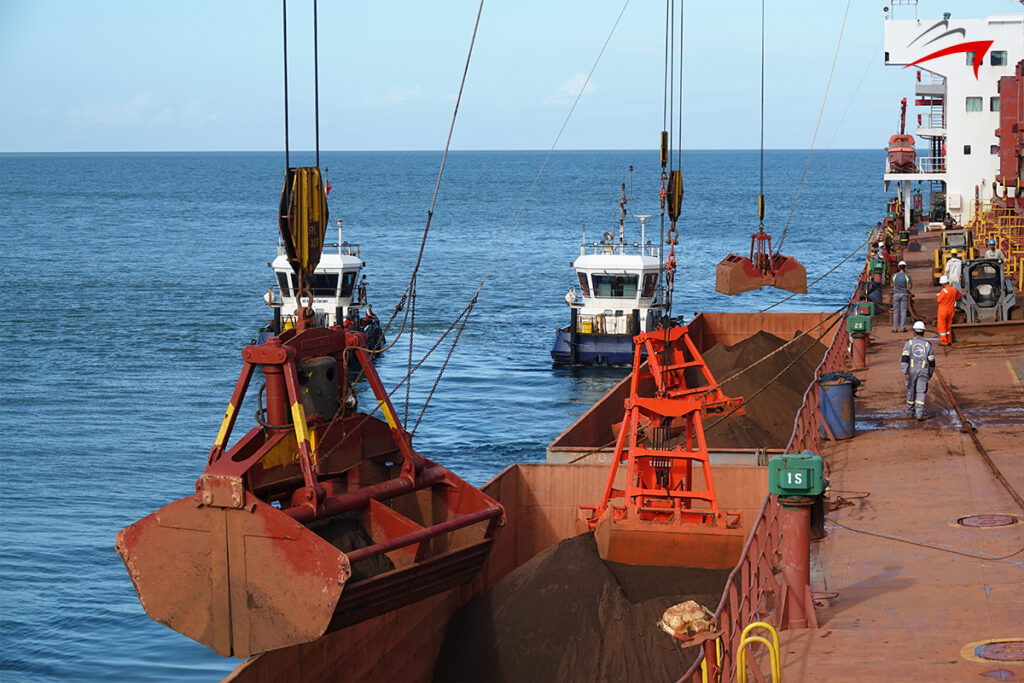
(835, 403)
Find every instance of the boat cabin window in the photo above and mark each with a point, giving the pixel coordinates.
(584, 285)
(348, 281)
(623, 286)
(993, 104)
(282, 282)
(998, 58)
(324, 284)
(650, 284)
(973, 104)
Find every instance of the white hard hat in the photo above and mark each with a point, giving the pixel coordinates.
(919, 326)
(902, 263)
(943, 280)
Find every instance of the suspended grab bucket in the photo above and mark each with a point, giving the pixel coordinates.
(667, 513)
(736, 274)
(316, 519)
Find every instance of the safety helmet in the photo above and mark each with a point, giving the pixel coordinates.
(953, 253)
(943, 280)
(919, 326)
(992, 242)
(902, 264)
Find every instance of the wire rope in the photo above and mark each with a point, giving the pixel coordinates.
(817, 126)
(820, 278)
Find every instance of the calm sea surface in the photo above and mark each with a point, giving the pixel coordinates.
(134, 280)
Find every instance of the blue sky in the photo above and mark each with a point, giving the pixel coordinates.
(185, 75)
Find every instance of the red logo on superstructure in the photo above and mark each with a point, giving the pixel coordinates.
(978, 47)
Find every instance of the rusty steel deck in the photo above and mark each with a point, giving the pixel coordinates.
(904, 590)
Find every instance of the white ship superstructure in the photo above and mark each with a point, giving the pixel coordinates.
(961, 61)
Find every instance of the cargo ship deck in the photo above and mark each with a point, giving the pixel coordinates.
(921, 573)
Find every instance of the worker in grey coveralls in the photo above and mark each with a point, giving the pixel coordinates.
(900, 298)
(918, 364)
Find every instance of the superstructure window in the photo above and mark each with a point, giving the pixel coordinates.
(348, 281)
(282, 282)
(618, 286)
(998, 58)
(994, 149)
(973, 104)
(650, 284)
(584, 285)
(324, 284)
(967, 149)
(993, 103)
(970, 58)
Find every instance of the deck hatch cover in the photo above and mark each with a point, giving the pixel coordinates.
(985, 521)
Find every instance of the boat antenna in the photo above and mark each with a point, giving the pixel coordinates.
(622, 217)
(643, 221)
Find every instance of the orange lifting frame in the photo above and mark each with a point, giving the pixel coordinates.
(657, 522)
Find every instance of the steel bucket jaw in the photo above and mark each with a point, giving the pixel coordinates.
(737, 274)
(240, 580)
(714, 545)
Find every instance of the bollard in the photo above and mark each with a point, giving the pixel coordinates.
(796, 479)
(795, 523)
(860, 352)
(859, 327)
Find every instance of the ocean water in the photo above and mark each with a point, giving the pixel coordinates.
(135, 279)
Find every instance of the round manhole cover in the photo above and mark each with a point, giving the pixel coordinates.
(987, 520)
(995, 650)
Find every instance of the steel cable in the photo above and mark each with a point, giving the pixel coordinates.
(821, 112)
(822, 277)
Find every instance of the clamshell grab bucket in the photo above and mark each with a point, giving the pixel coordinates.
(321, 517)
(764, 268)
(737, 274)
(666, 513)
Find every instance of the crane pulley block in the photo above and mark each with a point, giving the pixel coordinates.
(303, 218)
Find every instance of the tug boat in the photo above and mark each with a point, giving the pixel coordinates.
(617, 298)
(337, 294)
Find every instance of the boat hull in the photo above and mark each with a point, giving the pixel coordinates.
(592, 349)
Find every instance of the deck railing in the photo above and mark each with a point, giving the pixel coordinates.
(752, 587)
(623, 248)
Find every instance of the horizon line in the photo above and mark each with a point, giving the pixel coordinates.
(439, 151)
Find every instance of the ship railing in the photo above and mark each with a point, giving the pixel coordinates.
(621, 248)
(753, 587)
(931, 164)
(344, 248)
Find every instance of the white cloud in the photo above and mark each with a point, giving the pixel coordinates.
(144, 108)
(121, 113)
(568, 91)
(396, 95)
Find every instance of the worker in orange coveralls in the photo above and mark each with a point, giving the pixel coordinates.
(946, 297)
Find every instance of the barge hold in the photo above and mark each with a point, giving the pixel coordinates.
(920, 574)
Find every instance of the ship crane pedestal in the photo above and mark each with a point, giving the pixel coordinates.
(667, 512)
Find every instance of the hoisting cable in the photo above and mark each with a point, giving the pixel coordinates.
(284, 24)
(856, 91)
(814, 137)
(433, 201)
(463, 318)
(747, 399)
(820, 278)
(760, 360)
(316, 87)
(760, 192)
